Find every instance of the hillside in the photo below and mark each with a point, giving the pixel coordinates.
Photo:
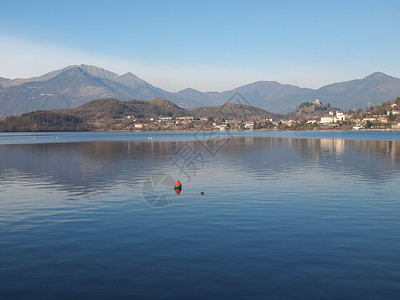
(100, 114)
(107, 109)
(389, 110)
(43, 121)
(315, 109)
(113, 114)
(234, 111)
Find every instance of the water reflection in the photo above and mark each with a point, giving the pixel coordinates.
(95, 166)
(374, 160)
(84, 167)
(157, 190)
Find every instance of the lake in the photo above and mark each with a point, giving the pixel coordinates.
(261, 215)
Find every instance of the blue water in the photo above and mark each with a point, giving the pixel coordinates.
(284, 215)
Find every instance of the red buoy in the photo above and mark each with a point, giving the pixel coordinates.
(178, 185)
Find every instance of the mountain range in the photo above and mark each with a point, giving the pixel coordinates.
(76, 85)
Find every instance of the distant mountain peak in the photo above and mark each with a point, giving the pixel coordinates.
(378, 75)
(97, 72)
(375, 75)
(3, 80)
(191, 90)
(129, 74)
(131, 80)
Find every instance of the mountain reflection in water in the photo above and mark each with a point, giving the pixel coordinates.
(92, 166)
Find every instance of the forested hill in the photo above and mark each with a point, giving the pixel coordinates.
(103, 111)
(104, 114)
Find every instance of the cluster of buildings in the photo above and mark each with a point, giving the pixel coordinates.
(380, 121)
(160, 123)
(386, 117)
(332, 119)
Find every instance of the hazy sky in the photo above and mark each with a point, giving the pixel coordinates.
(206, 45)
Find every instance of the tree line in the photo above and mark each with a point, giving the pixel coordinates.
(43, 121)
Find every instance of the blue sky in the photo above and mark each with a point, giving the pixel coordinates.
(207, 45)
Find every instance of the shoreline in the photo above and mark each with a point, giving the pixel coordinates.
(199, 130)
(202, 130)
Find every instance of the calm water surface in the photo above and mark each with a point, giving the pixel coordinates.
(284, 215)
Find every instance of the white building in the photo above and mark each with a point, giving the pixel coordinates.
(340, 116)
(394, 112)
(291, 122)
(327, 119)
(249, 125)
(358, 127)
(369, 119)
(223, 127)
(187, 118)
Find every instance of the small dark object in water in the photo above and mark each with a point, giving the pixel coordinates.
(202, 193)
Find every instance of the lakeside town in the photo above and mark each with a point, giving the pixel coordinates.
(161, 115)
(385, 116)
